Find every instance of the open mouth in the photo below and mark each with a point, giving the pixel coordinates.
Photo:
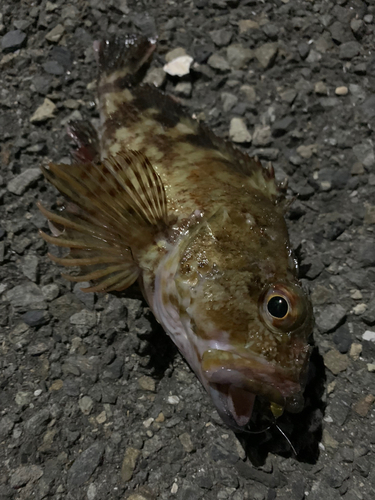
(235, 381)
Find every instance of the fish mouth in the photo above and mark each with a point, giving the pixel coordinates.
(234, 382)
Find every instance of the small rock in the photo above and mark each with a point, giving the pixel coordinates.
(371, 367)
(288, 95)
(44, 112)
(6, 426)
(173, 400)
(19, 184)
(175, 53)
(270, 30)
(343, 339)
(335, 361)
(229, 101)
(102, 417)
(26, 297)
(156, 77)
(50, 292)
(13, 40)
(85, 465)
(366, 254)
(369, 336)
(365, 153)
(283, 126)
(186, 442)
(30, 264)
(151, 446)
(262, 136)
(23, 398)
(330, 318)
(179, 66)
(218, 62)
(57, 385)
(222, 37)
(266, 54)
(355, 351)
(359, 309)
(183, 89)
(239, 57)
(128, 464)
(146, 383)
(84, 318)
(362, 407)
(55, 34)
(246, 25)
(340, 32)
(53, 68)
(314, 57)
(238, 131)
(86, 404)
(37, 424)
(249, 92)
(303, 49)
(306, 152)
(349, 50)
(341, 90)
(357, 26)
(25, 474)
(35, 318)
(369, 315)
(320, 88)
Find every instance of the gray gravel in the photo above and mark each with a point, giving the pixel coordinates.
(95, 402)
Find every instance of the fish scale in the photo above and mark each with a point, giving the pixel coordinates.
(155, 196)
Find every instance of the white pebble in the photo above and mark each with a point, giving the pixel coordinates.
(173, 400)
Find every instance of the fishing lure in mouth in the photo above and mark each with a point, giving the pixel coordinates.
(155, 196)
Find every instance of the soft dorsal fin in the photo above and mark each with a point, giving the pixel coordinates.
(116, 208)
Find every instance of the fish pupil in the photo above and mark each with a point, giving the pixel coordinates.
(277, 307)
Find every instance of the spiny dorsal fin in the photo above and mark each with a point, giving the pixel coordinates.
(117, 208)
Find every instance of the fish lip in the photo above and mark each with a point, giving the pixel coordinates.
(256, 376)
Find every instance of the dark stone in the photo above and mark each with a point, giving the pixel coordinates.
(271, 31)
(85, 465)
(114, 370)
(38, 422)
(203, 52)
(366, 253)
(13, 40)
(35, 318)
(63, 56)
(303, 49)
(348, 50)
(368, 316)
(283, 126)
(368, 107)
(221, 38)
(343, 339)
(330, 318)
(53, 68)
(340, 33)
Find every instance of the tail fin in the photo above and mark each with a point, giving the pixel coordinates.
(122, 62)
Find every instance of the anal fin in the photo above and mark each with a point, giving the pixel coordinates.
(116, 209)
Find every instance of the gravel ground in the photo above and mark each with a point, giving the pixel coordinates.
(95, 401)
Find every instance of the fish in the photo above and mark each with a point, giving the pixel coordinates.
(155, 197)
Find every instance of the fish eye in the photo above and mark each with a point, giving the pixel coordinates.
(283, 306)
(278, 306)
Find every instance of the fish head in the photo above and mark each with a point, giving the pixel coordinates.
(248, 316)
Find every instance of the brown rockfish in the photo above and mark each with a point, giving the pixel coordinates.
(154, 196)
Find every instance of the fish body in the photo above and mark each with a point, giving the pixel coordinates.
(156, 197)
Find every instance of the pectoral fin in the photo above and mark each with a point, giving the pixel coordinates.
(116, 208)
